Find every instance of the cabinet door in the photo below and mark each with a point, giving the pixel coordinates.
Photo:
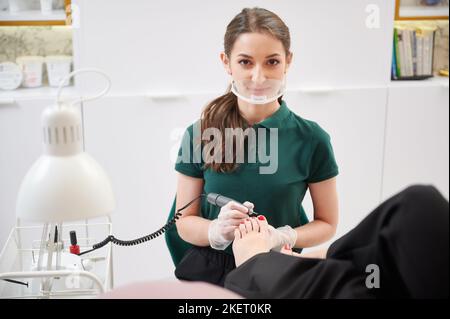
(417, 139)
(21, 145)
(354, 119)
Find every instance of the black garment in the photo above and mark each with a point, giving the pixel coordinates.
(205, 264)
(407, 237)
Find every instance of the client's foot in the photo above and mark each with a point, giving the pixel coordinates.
(251, 238)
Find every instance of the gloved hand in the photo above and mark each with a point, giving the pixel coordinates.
(221, 229)
(281, 236)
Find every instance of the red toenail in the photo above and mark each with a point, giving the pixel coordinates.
(261, 217)
(242, 222)
(287, 247)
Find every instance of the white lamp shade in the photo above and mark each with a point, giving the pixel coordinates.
(65, 188)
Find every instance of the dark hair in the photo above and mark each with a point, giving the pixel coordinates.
(223, 112)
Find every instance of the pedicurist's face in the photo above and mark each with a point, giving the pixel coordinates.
(257, 57)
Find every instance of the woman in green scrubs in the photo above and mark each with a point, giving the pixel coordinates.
(257, 50)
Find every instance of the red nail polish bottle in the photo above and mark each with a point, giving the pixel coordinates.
(74, 248)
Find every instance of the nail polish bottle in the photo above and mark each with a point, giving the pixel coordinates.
(74, 248)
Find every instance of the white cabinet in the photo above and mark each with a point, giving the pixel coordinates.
(21, 143)
(133, 138)
(417, 137)
(20, 146)
(355, 121)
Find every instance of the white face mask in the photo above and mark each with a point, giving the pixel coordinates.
(258, 93)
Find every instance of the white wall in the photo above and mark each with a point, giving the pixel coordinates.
(152, 46)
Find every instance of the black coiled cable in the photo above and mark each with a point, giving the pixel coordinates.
(143, 239)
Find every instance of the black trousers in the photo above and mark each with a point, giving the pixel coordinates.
(205, 264)
(401, 249)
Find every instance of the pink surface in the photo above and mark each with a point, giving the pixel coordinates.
(170, 290)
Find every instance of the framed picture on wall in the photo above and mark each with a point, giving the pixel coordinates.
(421, 9)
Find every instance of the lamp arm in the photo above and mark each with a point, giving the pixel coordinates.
(91, 98)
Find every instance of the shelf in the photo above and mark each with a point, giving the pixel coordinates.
(434, 81)
(45, 92)
(36, 15)
(411, 11)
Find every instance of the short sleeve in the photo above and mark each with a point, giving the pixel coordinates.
(323, 163)
(189, 155)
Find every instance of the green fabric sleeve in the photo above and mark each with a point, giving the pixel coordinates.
(323, 163)
(189, 155)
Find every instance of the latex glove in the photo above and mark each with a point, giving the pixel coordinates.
(281, 236)
(221, 229)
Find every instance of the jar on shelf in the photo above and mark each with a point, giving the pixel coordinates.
(32, 70)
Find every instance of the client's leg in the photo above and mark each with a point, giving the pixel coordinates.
(261, 273)
(407, 238)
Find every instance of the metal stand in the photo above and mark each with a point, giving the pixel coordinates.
(44, 268)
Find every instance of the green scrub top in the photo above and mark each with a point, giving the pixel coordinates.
(305, 155)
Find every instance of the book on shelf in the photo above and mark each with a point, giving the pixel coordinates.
(414, 49)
